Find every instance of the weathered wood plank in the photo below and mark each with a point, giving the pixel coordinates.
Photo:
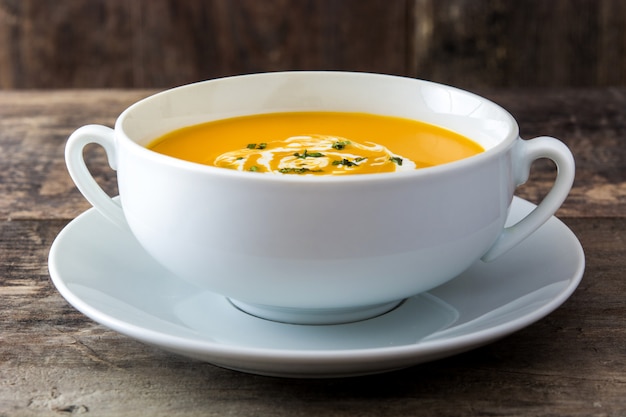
(535, 43)
(225, 37)
(70, 43)
(593, 124)
(35, 126)
(162, 43)
(53, 360)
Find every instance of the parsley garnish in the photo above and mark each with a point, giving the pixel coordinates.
(256, 146)
(341, 144)
(297, 170)
(396, 160)
(345, 162)
(306, 154)
(254, 168)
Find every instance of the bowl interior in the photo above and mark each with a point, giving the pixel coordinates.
(468, 114)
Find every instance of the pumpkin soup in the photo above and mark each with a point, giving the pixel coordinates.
(316, 143)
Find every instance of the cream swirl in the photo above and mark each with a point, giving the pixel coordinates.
(314, 155)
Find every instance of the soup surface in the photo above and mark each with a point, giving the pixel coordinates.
(316, 143)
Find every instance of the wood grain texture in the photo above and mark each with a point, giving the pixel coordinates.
(166, 42)
(55, 361)
(534, 43)
(593, 124)
(33, 177)
(162, 43)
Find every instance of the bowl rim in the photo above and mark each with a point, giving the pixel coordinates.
(122, 138)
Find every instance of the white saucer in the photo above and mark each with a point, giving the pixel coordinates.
(102, 271)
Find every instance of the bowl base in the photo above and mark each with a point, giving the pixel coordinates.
(315, 316)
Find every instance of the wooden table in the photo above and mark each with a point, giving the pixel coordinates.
(55, 361)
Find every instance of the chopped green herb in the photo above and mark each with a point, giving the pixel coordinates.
(396, 160)
(297, 170)
(306, 154)
(256, 146)
(359, 159)
(239, 159)
(341, 144)
(254, 168)
(345, 162)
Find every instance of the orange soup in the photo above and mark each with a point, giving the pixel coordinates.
(316, 143)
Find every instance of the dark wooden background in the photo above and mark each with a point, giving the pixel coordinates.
(473, 44)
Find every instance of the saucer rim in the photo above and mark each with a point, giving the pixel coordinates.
(408, 354)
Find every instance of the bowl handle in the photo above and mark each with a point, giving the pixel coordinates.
(524, 154)
(86, 184)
